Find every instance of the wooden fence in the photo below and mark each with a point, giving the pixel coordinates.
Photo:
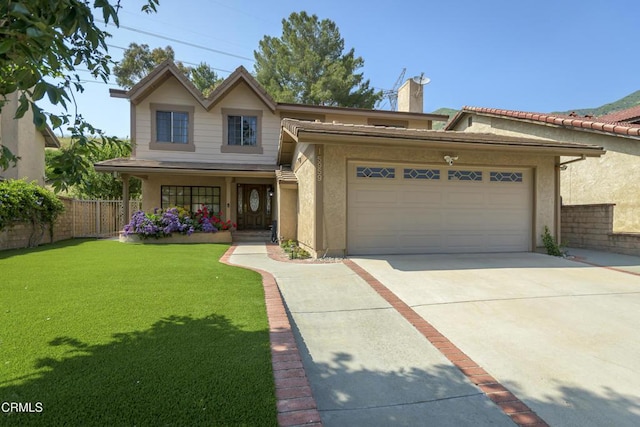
(100, 218)
(81, 218)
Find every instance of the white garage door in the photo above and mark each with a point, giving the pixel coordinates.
(398, 209)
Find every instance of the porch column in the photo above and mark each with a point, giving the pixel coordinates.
(125, 197)
(227, 212)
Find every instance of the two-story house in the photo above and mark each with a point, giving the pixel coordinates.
(339, 180)
(24, 140)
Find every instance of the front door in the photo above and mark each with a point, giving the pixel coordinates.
(253, 209)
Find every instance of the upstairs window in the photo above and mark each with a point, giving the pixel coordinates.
(172, 127)
(241, 131)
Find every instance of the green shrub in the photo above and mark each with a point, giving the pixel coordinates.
(295, 252)
(550, 243)
(22, 201)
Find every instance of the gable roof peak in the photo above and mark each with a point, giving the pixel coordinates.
(159, 75)
(240, 75)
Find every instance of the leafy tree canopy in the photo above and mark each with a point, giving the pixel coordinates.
(204, 78)
(307, 65)
(94, 185)
(42, 45)
(139, 60)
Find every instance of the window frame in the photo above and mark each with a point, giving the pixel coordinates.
(154, 144)
(191, 188)
(241, 149)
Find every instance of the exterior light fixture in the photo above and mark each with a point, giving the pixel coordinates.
(450, 159)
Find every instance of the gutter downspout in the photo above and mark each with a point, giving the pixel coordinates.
(581, 158)
(558, 215)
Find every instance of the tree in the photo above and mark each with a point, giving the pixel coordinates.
(42, 45)
(139, 60)
(204, 78)
(307, 65)
(95, 185)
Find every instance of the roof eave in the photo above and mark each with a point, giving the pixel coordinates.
(146, 170)
(50, 138)
(361, 112)
(118, 93)
(449, 145)
(289, 139)
(454, 120)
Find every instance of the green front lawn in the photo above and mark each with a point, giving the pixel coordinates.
(106, 333)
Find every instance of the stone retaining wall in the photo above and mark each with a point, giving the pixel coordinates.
(591, 227)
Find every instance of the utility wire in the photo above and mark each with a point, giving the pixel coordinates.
(184, 62)
(179, 41)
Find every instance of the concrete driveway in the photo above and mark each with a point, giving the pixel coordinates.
(563, 336)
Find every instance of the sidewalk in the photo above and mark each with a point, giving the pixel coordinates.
(366, 364)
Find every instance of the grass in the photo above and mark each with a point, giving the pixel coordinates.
(104, 333)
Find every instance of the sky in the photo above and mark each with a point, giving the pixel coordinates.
(541, 56)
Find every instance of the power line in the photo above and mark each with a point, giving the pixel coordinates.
(99, 82)
(182, 29)
(148, 33)
(184, 62)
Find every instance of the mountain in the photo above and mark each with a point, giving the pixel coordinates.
(446, 111)
(621, 104)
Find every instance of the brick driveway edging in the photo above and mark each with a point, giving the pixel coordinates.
(294, 400)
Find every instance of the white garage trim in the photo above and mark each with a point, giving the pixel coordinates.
(403, 208)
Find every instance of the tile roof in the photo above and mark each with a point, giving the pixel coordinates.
(630, 114)
(441, 138)
(286, 175)
(579, 123)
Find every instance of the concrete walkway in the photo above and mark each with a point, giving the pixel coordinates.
(367, 365)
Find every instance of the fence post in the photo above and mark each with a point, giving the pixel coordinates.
(98, 217)
(75, 214)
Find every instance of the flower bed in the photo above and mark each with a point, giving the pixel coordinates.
(197, 237)
(176, 225)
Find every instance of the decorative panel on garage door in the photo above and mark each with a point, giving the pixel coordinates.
(424, 209)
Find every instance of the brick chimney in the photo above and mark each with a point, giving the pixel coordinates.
(410, 99)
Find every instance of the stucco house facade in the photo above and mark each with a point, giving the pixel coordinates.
(25, 141)
(340, 181)
(612, 178)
